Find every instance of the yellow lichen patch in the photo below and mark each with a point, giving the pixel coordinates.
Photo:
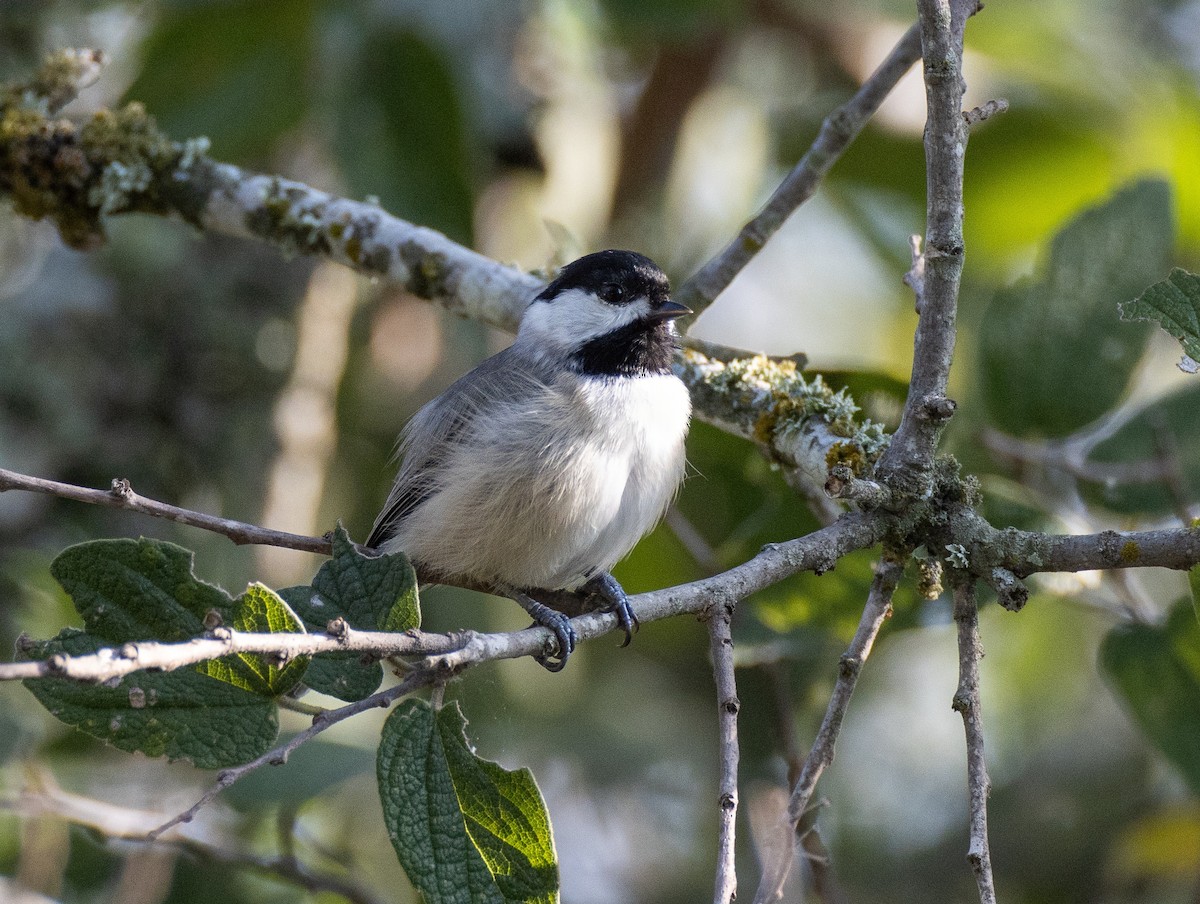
(846, 454)
(1130, 552)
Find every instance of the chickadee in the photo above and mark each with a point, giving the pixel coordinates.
(542, 467)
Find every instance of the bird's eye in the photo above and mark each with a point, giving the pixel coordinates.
(612, 293)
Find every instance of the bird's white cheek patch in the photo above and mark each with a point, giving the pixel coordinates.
(575, 317)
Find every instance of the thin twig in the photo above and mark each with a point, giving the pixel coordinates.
(878, 607)
(278, 756)
(1167, 455)
(966, 702)
(122, 496)
(693, 541)
(720, 635)
(838, 130)
(129, 826)
(816, 857)
(1071, 458)
(976, 115)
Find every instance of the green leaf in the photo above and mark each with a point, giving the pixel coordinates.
(1174, 304)
(129, 590)
(371, 594)
(215, 713)
(183, 714)
(261, 611)
(1171, 419)
(1055, 356)
(232, 71)
(1157, 672)
(464, 829)
(138, 590)
(402, 132)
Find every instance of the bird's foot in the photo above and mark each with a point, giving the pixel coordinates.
(605, 586)
(557, 623)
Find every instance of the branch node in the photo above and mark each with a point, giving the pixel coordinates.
(985, 111)
(279, 658)
(56, 664)
(221, 633)
(122, 489)
(728, 802)
(213, 619)
(842, 484)
(849, 666)
(128, 651)
(1012, 592)
(937, 408)
(733, 706)
(338, 629)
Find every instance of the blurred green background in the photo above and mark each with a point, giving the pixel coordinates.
(220, 376)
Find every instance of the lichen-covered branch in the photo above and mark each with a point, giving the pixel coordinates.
(800, 422)
(120, 162)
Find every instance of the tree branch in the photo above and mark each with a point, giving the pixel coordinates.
(966, 703)
(278, 756)
(818, 551)
(720, 635)
(119, 162)
(878, 607)
(838, 130)
(129, 825)
(908, 462)
(122, 496)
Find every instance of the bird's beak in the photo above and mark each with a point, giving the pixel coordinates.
(668, 310)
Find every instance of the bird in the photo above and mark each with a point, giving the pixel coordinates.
(540, 469)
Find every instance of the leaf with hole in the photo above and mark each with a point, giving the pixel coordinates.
(370, 594)
(1174, 304)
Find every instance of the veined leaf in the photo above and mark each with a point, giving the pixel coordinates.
(184, 714)
(214, 713)
(261, 611)
(371, 594)
(1174, 304)
(464, 829)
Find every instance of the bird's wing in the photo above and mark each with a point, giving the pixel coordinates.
(448, 421)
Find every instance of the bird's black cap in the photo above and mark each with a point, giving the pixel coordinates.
(617, 277)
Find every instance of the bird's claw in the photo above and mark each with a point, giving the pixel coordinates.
(559, 625)
(606, 587)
